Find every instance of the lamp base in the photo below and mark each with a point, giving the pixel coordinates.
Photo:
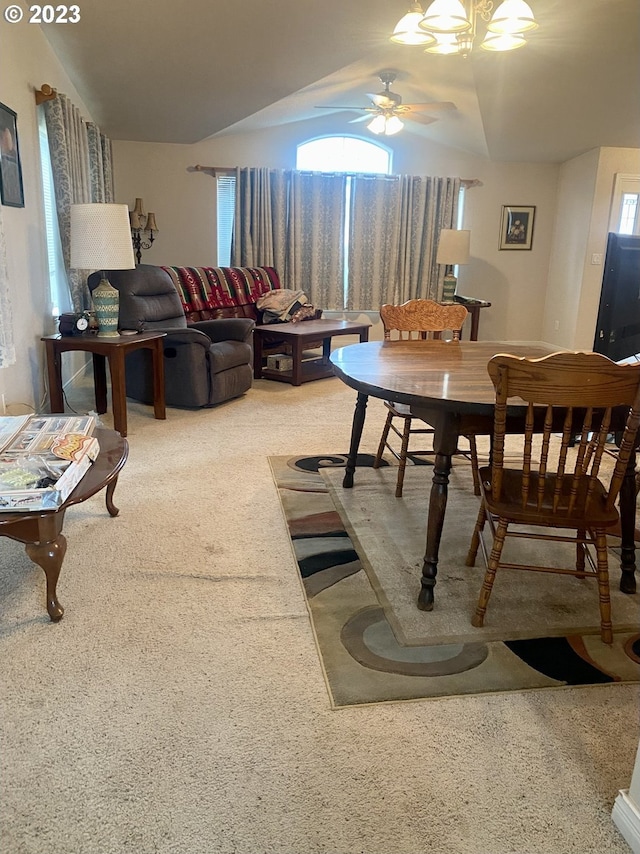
(106, 302)
(449, 288)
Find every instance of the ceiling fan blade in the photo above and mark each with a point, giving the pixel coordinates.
(435, 105)
(346, 108)
(360, 119)
(422, 120)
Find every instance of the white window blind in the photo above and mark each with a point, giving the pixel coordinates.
(58, 283)
(225, 210)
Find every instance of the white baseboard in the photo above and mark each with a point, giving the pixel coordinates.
(626, 817)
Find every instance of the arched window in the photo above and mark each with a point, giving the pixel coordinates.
(343, 154)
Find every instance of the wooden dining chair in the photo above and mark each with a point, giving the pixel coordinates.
(418, 319)
(556, 483)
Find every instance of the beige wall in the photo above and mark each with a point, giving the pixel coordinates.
(26, 62)
(184, 204)
(584, 206)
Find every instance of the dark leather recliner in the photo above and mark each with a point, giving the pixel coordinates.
(205, 363)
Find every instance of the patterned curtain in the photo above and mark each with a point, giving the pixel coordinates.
(296, 222)
(316, 244)
(82, 173)
(393, 237)
(374, 229)
(427, 206)
(260, 226)
(293, 221)
(7, 350)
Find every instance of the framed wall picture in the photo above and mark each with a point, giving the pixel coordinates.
(11, 192)
(516, 227)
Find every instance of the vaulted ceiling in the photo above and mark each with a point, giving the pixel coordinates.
(155, 70)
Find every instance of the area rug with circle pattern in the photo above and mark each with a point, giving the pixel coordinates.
(359, 554)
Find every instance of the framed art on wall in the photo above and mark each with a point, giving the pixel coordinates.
(516, 227)
(11, 191)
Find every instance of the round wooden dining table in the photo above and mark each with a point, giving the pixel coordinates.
(446, 384)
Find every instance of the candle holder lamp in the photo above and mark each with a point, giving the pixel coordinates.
(143, 229)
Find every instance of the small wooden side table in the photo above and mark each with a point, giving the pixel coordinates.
(473, 306)
(115, 350)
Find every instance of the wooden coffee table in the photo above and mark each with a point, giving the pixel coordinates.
(298, 336)
(41, 531)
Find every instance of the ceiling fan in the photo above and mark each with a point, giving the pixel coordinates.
(387, 109)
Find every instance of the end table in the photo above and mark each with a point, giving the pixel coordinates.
(115, 350)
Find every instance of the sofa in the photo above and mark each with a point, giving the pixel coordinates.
(209, 293)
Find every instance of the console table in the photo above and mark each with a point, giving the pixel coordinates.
(115, 350)
(41, 531)
(473, 306)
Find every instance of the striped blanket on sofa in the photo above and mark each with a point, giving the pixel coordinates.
(211, 292)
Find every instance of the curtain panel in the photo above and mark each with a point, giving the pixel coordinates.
(293, 221)
(316, 253)
(349, 242)
(82, 169)
(374, 232)
(428, 205)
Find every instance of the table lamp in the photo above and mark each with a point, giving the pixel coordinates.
(101, 240)
(453, 248)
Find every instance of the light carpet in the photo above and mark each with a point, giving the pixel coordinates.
(179, 707)
(361, 570)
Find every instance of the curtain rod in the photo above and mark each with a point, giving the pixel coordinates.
(467, 183)
(45, 93)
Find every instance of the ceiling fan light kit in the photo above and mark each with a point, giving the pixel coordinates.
(387, 125)
(386, 110)
(451, 25)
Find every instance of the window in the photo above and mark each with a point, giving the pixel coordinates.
(624, 207)
(226, 189)
(324, 154)
(629, 214)
(343, 154)
(58, 283)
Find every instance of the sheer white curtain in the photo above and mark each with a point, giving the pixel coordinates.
(7, 349)
(82, 173)
(395, 223)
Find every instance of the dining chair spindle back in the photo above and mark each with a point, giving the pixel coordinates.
(554, 480)
(418, 319)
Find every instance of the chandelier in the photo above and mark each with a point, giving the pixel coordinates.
(451, 26)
